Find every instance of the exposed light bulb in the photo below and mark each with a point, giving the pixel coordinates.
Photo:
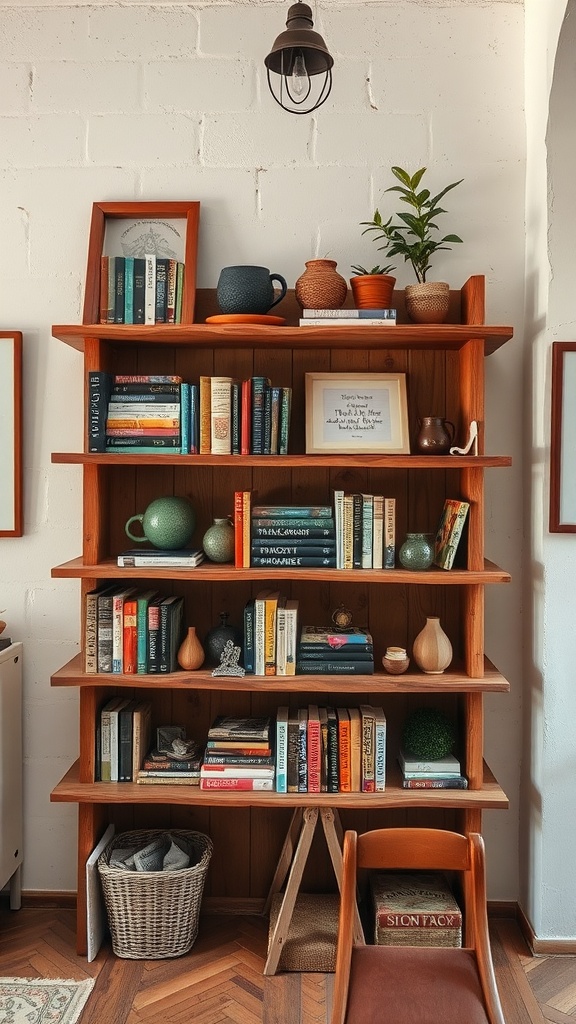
(299, 76)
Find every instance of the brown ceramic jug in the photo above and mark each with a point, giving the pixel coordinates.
(434, 436)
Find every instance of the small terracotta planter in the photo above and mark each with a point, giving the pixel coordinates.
(373, 291)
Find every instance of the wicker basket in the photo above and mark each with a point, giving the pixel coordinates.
(311, 941)
(154, 914)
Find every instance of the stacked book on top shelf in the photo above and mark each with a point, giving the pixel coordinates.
(166, 768)
(239, 754)
(328, 650)
(343, 317)
(141, 290)
(445, 773)
(334, 750)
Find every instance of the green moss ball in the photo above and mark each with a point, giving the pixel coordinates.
(428, 734)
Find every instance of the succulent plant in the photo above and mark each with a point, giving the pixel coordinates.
(375, 270)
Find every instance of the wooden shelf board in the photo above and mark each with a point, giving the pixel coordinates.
(420, 336)
(71, 790)
(108, 569)
(287, 461)
(454, 681)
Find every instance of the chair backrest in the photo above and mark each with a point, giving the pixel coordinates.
(418, 849)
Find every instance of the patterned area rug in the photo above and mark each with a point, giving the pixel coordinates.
(42, 1000)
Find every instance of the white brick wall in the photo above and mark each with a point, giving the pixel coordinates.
(103, 100)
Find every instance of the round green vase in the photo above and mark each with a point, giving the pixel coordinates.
(417, 551)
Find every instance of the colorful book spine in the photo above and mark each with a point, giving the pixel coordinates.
(275, 398)
(347, 531)
(367, 530)
(161, 297)
(338, 527)
(118, 628)
(292, 753)
(449, 532)
(368, 782)
(204, 413)
(129, 290)
(246, 417)
(357, 519)
(314, 749)
(281, 637)
(239, 759)
(270, 612)
(130, 636)
(458, 783)
(238, 784)
(389, 533)
(235, 415)
(344, 776)
(99, 391)
(171, 292)
(185, 418)
(378, 532)
(302, 750)
(248, 646)
(332, 722)
(153, 659)
(281, 531)
(105, 632)
(379, 750)
(238, 529)
(355, 750)
(282, 750)
(246, 527)
(220, 416)
(258, 401)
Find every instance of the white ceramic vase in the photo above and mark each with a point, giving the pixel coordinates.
(432, 650)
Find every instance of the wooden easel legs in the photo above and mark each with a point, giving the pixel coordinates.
(292, 862)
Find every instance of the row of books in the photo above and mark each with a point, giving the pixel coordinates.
(365, 531)
(333, 750)
(270, 634)
(244, 417)
(122, 739)
(349, 317)
(132, 632)
(141, 290)
(217, 416)
(444, 773)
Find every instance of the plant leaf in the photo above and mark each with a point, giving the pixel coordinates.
(402, 176)
(416, 178)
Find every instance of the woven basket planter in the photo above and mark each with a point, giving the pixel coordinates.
(154, 915)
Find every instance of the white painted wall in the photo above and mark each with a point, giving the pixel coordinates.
(548, 827)
(103, 101)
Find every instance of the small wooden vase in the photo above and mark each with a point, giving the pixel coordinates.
(432, 649)
(191, 653)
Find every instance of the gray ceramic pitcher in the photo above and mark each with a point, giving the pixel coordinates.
(246, 289)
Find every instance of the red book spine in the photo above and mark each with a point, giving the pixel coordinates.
(314, 749)
(237, 784)
(246, 418)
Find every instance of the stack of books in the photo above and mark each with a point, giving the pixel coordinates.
(137, 413)
(445, 773)
(293, 535)
(243, 417)
(122, 738)
(141, 290)
(325, 649)
(239, 754)
(334, 750)
(270, 634)
(343, 317)
(130, 632)
(365, 531)
(161, 769)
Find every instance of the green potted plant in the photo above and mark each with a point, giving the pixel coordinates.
(372, 289)
(415, 239)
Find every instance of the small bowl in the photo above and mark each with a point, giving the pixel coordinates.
(395, 666)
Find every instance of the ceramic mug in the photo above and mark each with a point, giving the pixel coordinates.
(246, 289)
(167, 523)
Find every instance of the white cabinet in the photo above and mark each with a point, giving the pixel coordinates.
(11, 770)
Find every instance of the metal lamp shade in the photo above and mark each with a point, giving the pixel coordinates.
(299, 38)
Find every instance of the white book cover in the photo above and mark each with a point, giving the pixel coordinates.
(282, 750)
(378, 532)
(379, 750)
(291, 636)
(96, 922)
(367, 529)
(150, 289)
(221, 416)
(338, 523)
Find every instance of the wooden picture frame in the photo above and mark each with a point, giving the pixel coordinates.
(562, 462)
(11, 515)
(360, 413)
(179, 221)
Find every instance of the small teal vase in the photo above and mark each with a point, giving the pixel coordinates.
(417, 551)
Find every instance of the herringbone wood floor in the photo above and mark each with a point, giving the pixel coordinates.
(220, 981)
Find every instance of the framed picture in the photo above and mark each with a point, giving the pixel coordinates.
(357, 413)
(163, 230)
(11, 524)
(562, 461)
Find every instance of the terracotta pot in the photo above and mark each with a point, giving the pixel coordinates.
(432, 649)
(190, 653)
(373, 291)
(428, 303)
(321, 286)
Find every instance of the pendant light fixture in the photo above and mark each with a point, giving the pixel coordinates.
(300, 59)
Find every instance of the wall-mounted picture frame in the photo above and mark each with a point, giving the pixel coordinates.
(359, 413)
(563, 433)
(161, 229)
(11, 513)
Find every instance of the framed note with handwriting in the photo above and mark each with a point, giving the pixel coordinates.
(360, 413)
(11, 524)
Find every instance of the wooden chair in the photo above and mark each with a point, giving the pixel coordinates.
(413, 984)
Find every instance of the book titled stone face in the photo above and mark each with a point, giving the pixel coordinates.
(416, 909)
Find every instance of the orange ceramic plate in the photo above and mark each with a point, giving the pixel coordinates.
(246, 318)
